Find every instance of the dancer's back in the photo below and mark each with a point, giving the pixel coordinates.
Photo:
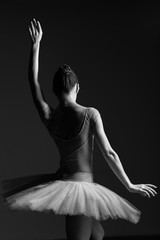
(68, 120)
(71, 128)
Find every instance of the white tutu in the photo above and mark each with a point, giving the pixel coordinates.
(75, 198)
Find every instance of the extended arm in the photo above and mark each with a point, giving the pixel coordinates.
(43, 108)
(114, 162)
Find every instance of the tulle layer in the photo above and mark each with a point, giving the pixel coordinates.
(75, 198)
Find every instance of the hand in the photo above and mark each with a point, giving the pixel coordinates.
(143, 189)
(35, 31)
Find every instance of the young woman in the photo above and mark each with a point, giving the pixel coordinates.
(71, 191)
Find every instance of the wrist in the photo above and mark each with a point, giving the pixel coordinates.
(129, 186)
(36, 44)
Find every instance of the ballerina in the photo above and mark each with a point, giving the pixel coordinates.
(71, 191)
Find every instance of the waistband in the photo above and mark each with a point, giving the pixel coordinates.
(75, 176)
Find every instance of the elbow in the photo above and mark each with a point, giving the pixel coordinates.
(110, 154)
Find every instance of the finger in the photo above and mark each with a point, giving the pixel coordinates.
(39, 26)
(145, 193)
(151, 185)
(149, 190)
(30, 31)
(34, 20)
(33, 28)
(35, 23)
(152, 190)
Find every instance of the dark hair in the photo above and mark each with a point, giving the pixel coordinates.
(64, 80)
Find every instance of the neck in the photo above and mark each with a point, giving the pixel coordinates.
(67, 100)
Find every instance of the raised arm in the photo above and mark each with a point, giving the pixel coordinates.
(43, 108)
(114, 162)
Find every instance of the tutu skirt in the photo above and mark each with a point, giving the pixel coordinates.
(77, 195)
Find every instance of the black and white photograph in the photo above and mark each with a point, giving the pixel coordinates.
(79, 100)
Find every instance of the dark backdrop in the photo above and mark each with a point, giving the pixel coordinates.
(114, 49)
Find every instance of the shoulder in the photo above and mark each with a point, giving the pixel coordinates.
(93, 114)
(93, 111)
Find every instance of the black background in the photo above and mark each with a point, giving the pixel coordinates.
(114, 49)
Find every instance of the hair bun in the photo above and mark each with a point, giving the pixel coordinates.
(66, 68)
